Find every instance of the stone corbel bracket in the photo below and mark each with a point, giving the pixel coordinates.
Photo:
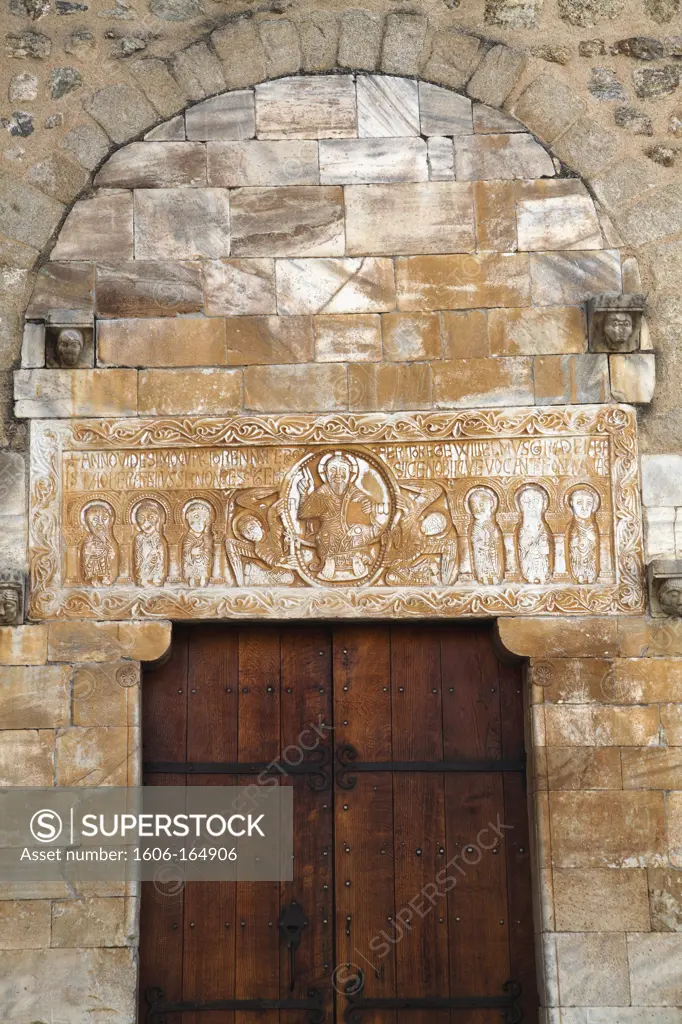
(615, 322)
(12, 597)
(665, 586)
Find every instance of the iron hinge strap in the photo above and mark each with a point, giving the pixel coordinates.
(313, 1005)
(315, 767)
(508, 1003)
(347, 765)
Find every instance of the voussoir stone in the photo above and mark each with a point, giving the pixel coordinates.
(238, 164)
(146, 288)
(587, 147)
(319, 34)
(156, 82)
(335, 286)
(443, 112)
(404, 39)
(454, 56)
(496, 75)
(362, 161)
(198, 71)
(501, 156)
(230, 116)
(360, 37)
(307, 108)
(155, 165)
(296, 221)
(88, 144)
(58, 176)
(548, 106)
(27, 214)
(181, 223)
(241, 53)
(281, 46)
(121, 110)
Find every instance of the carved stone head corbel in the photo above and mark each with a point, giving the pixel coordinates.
(665, 577)
(69, 342)
(615, 322)
(11, 597)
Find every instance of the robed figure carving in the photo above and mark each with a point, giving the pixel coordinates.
(485, 536)
(99, 550)
(150, 549)
(534, 542)
(583, 535)
(197, 544)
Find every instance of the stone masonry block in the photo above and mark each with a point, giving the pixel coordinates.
(465, 334)
(581, 768)
(410, 336)
(26, 758)
(593, 969)
(335, 286)
(560, 278)
(198, 71)
(389, 387)
(361, 33)
(99, 228)
(108, 641)
(633, 377)
(121, 110)
(655, 969)
(27, 215)
(420, 217)
(156, 82)
(88, 143)
(454, 56)
(35, 697)
(241, 53)
(64, 286)
(58, 176)
(240, 287)
(155, 165)
(587, 147)
(147, 288)
(662, 479)
(559, 638)
(89, 922)
(12, 484)
(80, 983)
(287, 221)
(403, 44)
(548, 107)
(462, 281)
(496, 75)
(307, 108)
(319, 33)
(443, 112)
(23, 645)
(309, 388)
(658, 214)
(92, 756)
(556, 214)
(182, 223)
(45, 393)
(281, 46)
(545, 331)
(162, 341)
(208, 392)
(469, 383)
(231, 116)
(348, 338)
(369, 161)
(495, 216)
(25, 924)
(612, 829)
(509, 155)
(270, 339)
(241, 164)
(571, 379)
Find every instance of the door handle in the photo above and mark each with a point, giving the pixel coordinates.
(291, 923)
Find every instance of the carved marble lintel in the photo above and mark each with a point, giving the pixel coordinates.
(12, 587)
(615, 322)
(665, 580)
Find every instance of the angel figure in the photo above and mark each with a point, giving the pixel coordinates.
(256, 553)
(197, 544)
(150, 550)
(485, 536)
(424, 541)
(98, 550)
(583, 535)
(534, 538)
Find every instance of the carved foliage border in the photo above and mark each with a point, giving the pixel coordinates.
(50, 438)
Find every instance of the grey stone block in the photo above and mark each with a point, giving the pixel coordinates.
(403, 44)
(26, 214)
(12, 484)
(588, 147)
(88, 144)
(241, 53)
(319, 34)
(198, 71)
(158, 85)
(282, 47)
(496, 75)
(121, 110)
(360, 38)
(454, 56)
(58, 176)
(548, 106)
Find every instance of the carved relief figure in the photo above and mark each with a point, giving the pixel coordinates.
(99, 551)
(344, 520)
(617, 328)
(197, 545)
(583, 535)
(485, 536)
(534, 542)
(424, 540)
(69, 346)
(257, 552)
(150, 550)
(670, 596)
(11, 598)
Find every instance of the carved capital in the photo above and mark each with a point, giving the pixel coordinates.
(665, 580)
(615, 322)
(12, 587)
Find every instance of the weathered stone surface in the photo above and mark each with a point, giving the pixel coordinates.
(409, 336)
(556, 214)
(23, 645)
(655, 969)
(90, 922)
(155, 165)
(295, 388)
(575, 380)
(108, 641)
(100, 228)
(566, 277)
(296, 221)
(387, 106)
(495, 216)
(358, 161)
(654, 768)
(121, 110)
(610, 829)
(25, 924)
(319, 34)
(587, 147)
(106, 693)
(159, 86)
(281, 46)
(198, 71)
(15, 254)
(241, 53)
(26, 214)
(26, 759)
(599, 900)
(462, 282)
(501, 156)
(42, 393)
(81, 982)
(426, 217)
(209, 392)
(652, 83)
(604, 84)
(164, 341)
(307, 108)
(23, 86)
(144, 288)
(270, 339)
(389, 387)
(496, 75)
(633, 377)
(442, 112)
(593, 969)
(334, 286)
(454, 55)
(662, 11)
(465, 334)
(168, 131)
(624, 181)
(36, 697)
(559, 638)
(548, 106)
(666, 156)
(665, 900)
(88, 144)
(654, 216)
(440, 158)
(62, 286)
(28, 44)
(586, 13)
(181, 224)
(583, 768)
(92, 756)
(58, 177)
(662, 479)
(469, 383)
(550, 331)
(674, 816)
(231, 116)
(235, 164)
(512, 14)
(240, 287)
(353, 338)
(360, 38)
(33, 345)
(404, 38)
(636, 121)
(489, 121)
(590, 725)
(640, 48)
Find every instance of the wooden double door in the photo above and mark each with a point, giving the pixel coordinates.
(411, 898)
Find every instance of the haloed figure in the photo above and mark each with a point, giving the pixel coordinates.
(583, 535)
(485, 536)
(534, 537)
(99, 551)
(197, 545)
(150, 552)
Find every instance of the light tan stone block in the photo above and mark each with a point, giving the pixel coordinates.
(41, 393)
(547, 331)
(92, 757)
(236, 164)
(441, 158)
(571, 379)
(162, 341)
(558, 638)
(648, 638)
(601, 900)
(106, 694)
(633, 377)
(296, 221)
(583, 768)
(495, 216)
(230, 116)
(90, 922)
(181, 223)
(154, 165)
(352, 338)
(270, 339)
(654, 768)
(409, 336)
(647, 680)
(462, 282)
(587, 725)
(27, 757)
(23, 645)
(665, 900)
(240, 287)
(489, 120)
(468, 383)
(363, 161)
(389, 387)
(571, 726)
(443, 112)
(655, 976)
(197, 392)
(25, 924)
(307, 108)
(387, 106)
(673, 813)
(421, 217)
(593, 969)
(671, 724)
(334, 286)
(62, 286)
(481, 157)
(465, 334)
(560, 278)
(614, 829)
(556, 214)
(148, 288)
(36, 697)
(576, 681)
(318, 388)
(97, 229)
(108, 641)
